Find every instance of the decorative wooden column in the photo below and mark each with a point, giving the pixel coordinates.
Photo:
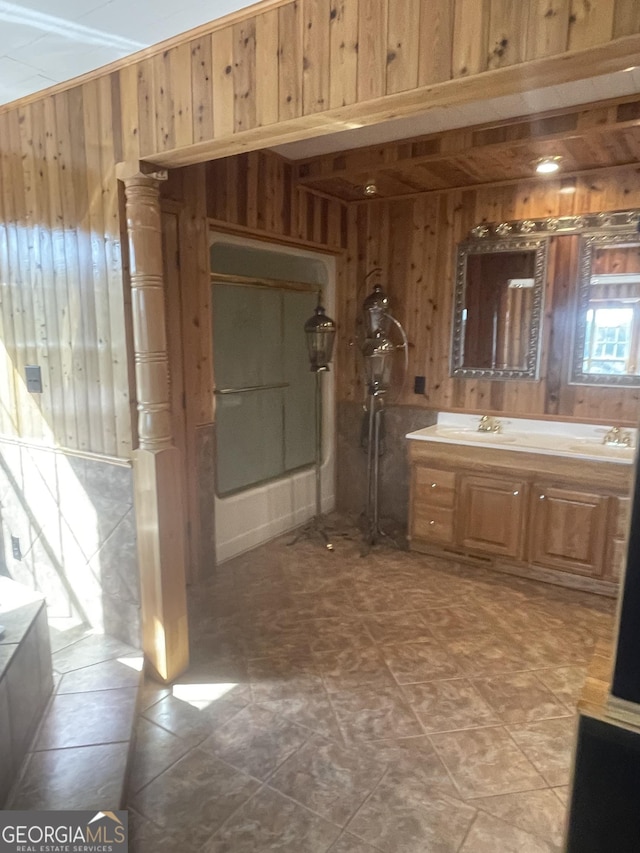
(157, 462)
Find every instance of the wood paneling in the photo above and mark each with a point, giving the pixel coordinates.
(414, 241)
(286, 70)
(62, 305)
(343, 45)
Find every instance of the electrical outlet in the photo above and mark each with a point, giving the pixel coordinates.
(34, 378)
(15, 548)
(419, 384)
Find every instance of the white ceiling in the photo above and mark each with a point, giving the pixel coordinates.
(44, 42)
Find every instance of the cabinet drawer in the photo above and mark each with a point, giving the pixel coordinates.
(431, 523)
(434, 486)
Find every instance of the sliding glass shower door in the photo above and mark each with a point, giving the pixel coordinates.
(265, 403)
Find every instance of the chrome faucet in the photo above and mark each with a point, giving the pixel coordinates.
(489, 424)
(618, 436)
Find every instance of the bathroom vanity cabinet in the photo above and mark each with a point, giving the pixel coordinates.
(555, 518)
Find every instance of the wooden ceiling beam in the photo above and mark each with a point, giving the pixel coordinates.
(360, 164)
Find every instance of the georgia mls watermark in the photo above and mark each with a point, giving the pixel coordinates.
(63, 832)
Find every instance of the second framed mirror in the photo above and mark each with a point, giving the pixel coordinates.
(607, 332)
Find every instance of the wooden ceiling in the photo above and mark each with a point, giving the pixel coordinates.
(586, 138)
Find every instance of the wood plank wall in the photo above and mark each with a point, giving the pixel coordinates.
(61, 300)
(414, 242)
(288, 65)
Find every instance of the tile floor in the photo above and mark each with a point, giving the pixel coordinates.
(388, 704)
(78, 757)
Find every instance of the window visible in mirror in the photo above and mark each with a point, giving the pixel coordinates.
(608, 341)
(608, 318)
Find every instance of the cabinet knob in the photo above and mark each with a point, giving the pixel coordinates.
(516, 492)
(432, 522)
(542, 497)
(433, 485)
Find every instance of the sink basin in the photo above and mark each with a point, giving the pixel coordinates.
(594, 448)
(475, 435)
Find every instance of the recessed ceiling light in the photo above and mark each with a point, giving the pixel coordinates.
(547, 165)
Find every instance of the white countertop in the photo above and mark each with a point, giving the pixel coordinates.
(556, 438)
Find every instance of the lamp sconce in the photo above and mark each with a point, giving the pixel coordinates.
(320, 332)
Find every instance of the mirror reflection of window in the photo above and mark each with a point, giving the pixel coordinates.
(608, 338)
(612, 312)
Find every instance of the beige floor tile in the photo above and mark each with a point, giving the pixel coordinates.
(538, 812)
(348, 843)
(396, 820)
(155, 750)
(310, 605)
(268, 639)
(485, 654)
(458, 622)
(444, 706)
(549, 746)
(414, 761)
(191, 723)
(310, 708)
(194, 797)
(565, 682)
(146, 837)
(384, 597)
(256, 741)
(415, 662)
(352, 669)
(486, 761)
(282, 677)
(400, 627)
(328, 779)
(366, 715)
(489, 835)
(563, 793)
(151, 693)
(272, 822)
(519, 697)
(325, 635)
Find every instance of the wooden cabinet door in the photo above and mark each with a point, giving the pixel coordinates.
(491, 515)
(568, 530)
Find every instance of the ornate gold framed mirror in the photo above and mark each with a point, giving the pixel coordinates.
(498, 308)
